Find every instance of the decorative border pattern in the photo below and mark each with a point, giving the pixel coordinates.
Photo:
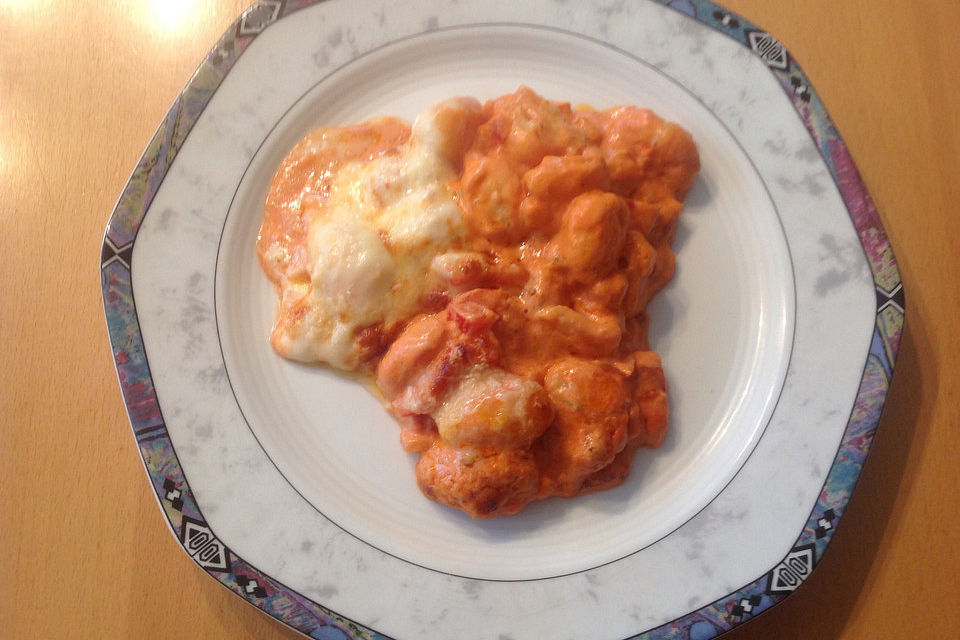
(316, 621)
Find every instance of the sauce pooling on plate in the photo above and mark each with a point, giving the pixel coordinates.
(490, 266)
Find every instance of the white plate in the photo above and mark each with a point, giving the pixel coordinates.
(300, 497)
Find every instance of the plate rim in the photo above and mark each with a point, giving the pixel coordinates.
(292, 609)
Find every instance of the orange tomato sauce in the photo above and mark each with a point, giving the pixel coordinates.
(528, 374)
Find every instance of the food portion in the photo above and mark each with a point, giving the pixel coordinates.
(490, 266)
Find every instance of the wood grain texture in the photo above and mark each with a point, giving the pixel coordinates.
(85, 552)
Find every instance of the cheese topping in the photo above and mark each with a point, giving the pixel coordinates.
(372, 234)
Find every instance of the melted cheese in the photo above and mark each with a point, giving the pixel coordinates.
(371, 241)
(491, 408)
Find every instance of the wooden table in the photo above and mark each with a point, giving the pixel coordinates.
(84, 550)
